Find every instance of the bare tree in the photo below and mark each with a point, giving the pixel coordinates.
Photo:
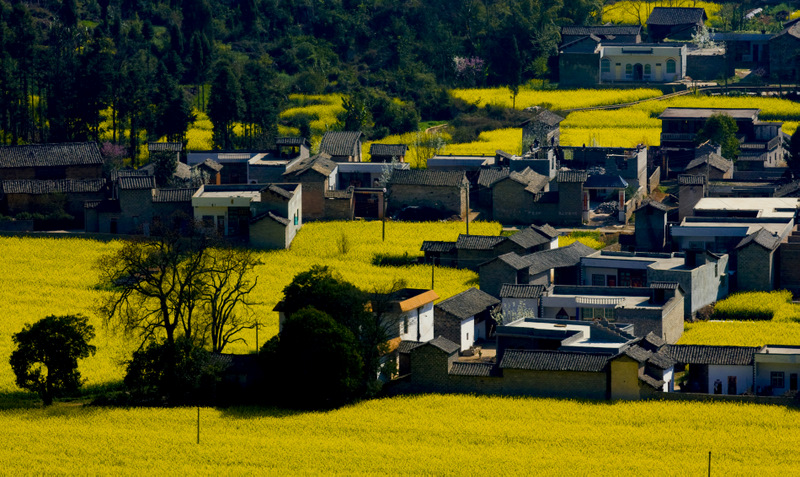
(225, 294)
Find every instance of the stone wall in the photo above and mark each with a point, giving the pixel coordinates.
(452, 200)
(511, 203)
(446, 325)
(493, 275)
(756, 268)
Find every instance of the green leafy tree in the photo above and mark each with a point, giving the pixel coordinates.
(312, 342)
(46, 358)
(721, 129)
(225, 105)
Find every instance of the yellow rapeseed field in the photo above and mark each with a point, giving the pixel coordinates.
(741, 333)
(508, 140)
(323, 107)
(412, 435)
(633, 12)
(554, 99)
(56, 276)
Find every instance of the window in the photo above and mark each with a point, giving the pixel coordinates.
(598, 280)
(670, 66)
(776, 379)
(628, 70)
(648, 70)
(589, 314)
(295, 218)
(405, 323)
(605, 65)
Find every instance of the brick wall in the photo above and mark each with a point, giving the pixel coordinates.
(511, 203)
(561, 384)
(570, 203)
(313, 196)
(429, 369)
(650, 229)
(493, 275)
(688, 197)
(450, 199)
(135, 210)
(756, 268)
(446, 325)
(789, 257)
(339, 208)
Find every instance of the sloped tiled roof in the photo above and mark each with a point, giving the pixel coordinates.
(136, 182)
(512, 260)
(173, 195)
(437, 246)
(547, 230)
(687, 179)
(443, 344)
(532, 181)
(320, 163)
(291, 141)
(182, 171)
(468, 303)
(406, 346)
(272, 216)
(676, 16)
(529, 237)
(654, 204)
(714, 160)
(165, 146)
(720, 355)
(478, 242)
(489, 177)
(278, 190)
(659, 359)
(761, 237)
(558, 257)
(538, 360)
(210, 164)
(571, 176)
(461, 368)
(388, 149)
(428, 177)
(57, 154)
(547, 117)
(521, 291)
(40, 187)
(339, 143)
(605, 181)
(605, 30)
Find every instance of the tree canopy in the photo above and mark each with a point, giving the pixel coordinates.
(721, 129)
(47, 352)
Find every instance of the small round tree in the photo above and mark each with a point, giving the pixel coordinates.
(46, 358)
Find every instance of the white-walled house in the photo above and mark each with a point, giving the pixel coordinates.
(413, 309)
(716, 369)
(466, 318)
(642, 62)
(776, 369)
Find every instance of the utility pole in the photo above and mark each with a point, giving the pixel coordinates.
(433, 268)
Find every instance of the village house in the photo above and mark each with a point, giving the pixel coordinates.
(606, 33)
(675, 23)
(465, 318)
(342, 146)
(45, 196)
(445, 191)
(318, 175)
(387, 152)
(715, 369)
(243, 167)
(702, 275)
(650, 227)
(761, 143)
(783, 53)
(541, 129)
(79, 160)
(557, 265)
(263, 215)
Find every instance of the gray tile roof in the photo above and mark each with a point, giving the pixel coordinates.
(165, 146)
(532, 181)
(182, 171)
(687, 179)
(437, 246)
(468, 303)
(210, 164)
(340, 143)
(320, 163)
(173, 195)
(136, 182)
(278, 190)
(443, 344)
(461, 368)
(676, 16)
(568, 256)
(605, 181)
(547, 230)
(720, 355)
(291, 141)
(659, 359)
(428, 177)
(714, 160)
(603, 30)
(513, 260)
(654, 204)
(272, 216)
(761, 237)
(489, 177)
(39, 187)
(538, 360)
(651, 381)
(572, 176)
(653, 341)
(406, 346)
(547, 117)
(478, 242)
(521, 291)
(704, 113)
(43, 155)
(388, 149)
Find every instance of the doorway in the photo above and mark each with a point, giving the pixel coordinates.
(732, 385)
(638, 72)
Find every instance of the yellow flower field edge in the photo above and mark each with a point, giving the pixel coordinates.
(748, 306)
(633, 12)
(410, 435)
(57, 276)
(588, 238)
(553, 99)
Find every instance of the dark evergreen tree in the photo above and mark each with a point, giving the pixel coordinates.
(225, 105)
